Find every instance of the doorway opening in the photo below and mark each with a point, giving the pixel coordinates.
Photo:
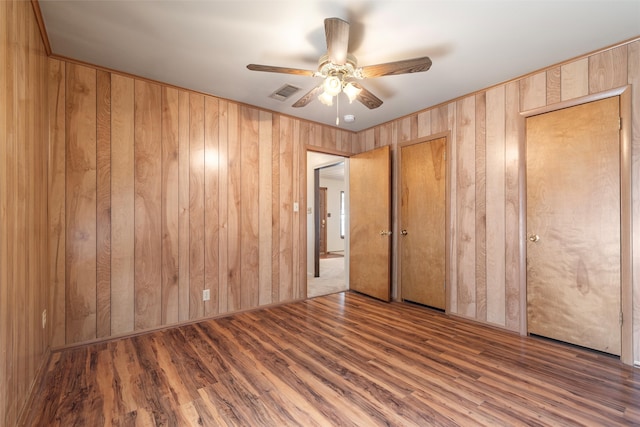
(327, 224)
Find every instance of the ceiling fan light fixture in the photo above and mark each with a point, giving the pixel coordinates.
(351, 91)
(326, 99)
(332, 85)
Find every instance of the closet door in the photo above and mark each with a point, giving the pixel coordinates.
(573, 225)
(422, 222)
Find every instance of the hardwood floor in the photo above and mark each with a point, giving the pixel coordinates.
(341, 359)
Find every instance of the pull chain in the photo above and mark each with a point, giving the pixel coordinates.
(337, 110)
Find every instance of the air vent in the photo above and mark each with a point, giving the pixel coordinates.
(284, 92)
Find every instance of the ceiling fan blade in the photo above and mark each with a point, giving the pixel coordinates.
(309, 96)
(284, 70)
(337, 33)
(367, 98)
(415, 65)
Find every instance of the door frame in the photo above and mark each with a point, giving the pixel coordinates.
(305, 242)
(626, 290)
(397, 200)
(322, 215)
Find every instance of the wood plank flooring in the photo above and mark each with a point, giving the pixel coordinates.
(341, 359)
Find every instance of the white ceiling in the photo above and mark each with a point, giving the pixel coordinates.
(206, 45)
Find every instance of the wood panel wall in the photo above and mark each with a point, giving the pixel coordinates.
(485, 131)
(23, 206)
(159, 193)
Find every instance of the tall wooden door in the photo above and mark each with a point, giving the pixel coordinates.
(422, 222)
(322, 210)
(370, 223)
(573, 225)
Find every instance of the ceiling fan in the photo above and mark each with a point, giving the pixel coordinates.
(340, 72)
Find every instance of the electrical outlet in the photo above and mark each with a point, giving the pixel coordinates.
(44, 318)
(206, 295)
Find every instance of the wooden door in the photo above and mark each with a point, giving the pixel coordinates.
(370, 223)
(422, 222)
(573, 225)
(322, 210)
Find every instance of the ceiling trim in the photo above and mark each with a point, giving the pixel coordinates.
(43, 30)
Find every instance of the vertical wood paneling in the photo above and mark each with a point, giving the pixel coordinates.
(634, 81)
(514, 133)
(42, 242)
(25, 284)
(234, 178)
(249, 200)
(10, 318)
(223, 196)
(495, 193)
(440, 119)
(196, 205)
(328, 139)
(285, 240)
(359, 142)
(310, 133)
(554, 87)
(452, 277)
(81, 203)
(148, 205)
(122, 204)
(275, 210)
(20, 222)
(344, 140)
(465, 203)
(301, 216)
(481, 208)
(574, 79)
(5, 318)
(423, 124)
(407, 128)
(533, 91)
(296, 248)
(33, 152)
(184, 160)
(607, 70)
(265, 200)
(170, 206)
(367, 140)
(57, 173)
(103, 205)
(211, 197)
(386, 135)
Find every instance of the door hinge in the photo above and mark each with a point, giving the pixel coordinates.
(619, 123)
(620, 318)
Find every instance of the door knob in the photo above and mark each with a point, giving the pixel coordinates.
(534, 238)
(385, 233)
(404, 232)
